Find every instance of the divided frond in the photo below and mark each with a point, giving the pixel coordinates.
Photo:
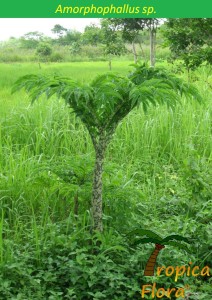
(169, 87)
(103, 103)
(111, 91)
(153, 92)
(78, 97)
(36, 85)
(100, 105)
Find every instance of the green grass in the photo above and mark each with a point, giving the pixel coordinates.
(157, 176)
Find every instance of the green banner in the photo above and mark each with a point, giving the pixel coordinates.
(106, 9)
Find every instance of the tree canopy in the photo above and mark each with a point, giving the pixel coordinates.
(189, 40)
(130, 29)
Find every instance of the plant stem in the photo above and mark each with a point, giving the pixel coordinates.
(97, 185)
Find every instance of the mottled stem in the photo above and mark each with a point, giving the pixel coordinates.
(97, 185)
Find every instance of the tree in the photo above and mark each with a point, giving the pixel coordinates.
(68, 37)
(113, 42)
(189, 40)
(152, 25)
(75, 48)
(59, 30)
(131, 28)
(102, 105)
(72, 36)
(92, 35)
(149, 236)
(31, 40)
(44, 50)
(12, 42)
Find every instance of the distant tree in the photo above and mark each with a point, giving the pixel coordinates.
(44, 50)
(75, 48)
(189, 40)
(152, 25)
(68, 37)
(92, 35)
(71, 36)
(59, 30)
(12, 42)
(130, 31)
(112, 40)
(31, 40)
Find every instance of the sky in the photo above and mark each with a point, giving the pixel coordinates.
(18, 27)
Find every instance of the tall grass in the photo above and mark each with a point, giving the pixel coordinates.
(165, 133)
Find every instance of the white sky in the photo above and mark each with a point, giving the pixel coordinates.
(18, 27)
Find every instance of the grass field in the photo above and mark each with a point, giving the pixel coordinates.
(157, 176)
